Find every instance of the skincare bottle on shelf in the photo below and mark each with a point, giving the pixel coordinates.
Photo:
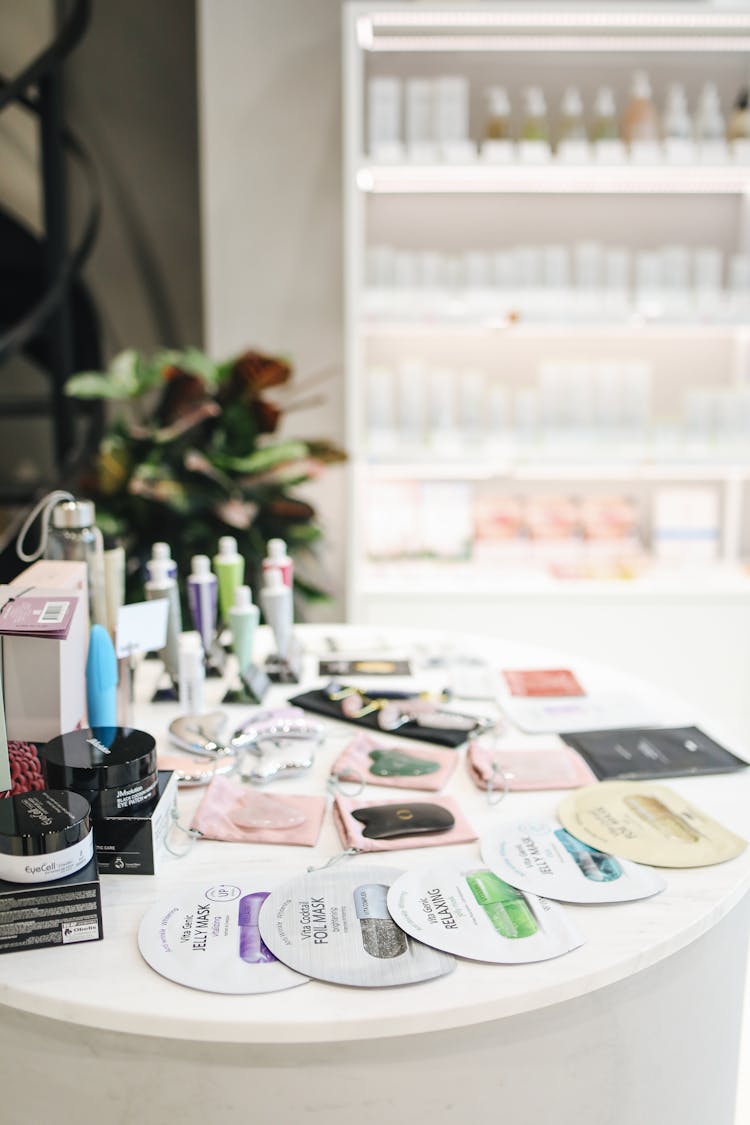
(497, 125)
(572, 126)
(738, 126)
(677, 127)
(534, 143)
(384, 119)
(605, 126)
(640, 122)
(451, 94)
(710, 127)
(535, 125)
(419, 121)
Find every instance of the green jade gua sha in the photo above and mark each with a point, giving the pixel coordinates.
(394, 763)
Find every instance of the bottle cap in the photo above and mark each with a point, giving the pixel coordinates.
(160, 571)
(709, 98)
(74, 514)
(676, 97)
(572, 106)
(227, 545)
(190, 641)
(274, 580)
(276, 549)
(641, 86)
(161, 551)
(200, 565)
(498, 102)
(243, 599)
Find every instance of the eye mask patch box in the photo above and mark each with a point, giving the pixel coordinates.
(44, 679)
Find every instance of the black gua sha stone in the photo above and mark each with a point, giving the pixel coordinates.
(385, 822)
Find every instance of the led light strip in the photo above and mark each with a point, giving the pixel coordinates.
(449, 179)
(561, 43)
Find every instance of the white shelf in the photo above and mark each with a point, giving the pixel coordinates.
(554, 179)
(529, 329)
(540, 469)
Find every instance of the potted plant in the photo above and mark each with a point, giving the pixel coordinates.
(189, 453)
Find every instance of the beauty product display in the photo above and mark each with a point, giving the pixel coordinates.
(496, 767)
(541, 858)
(647, 823)
(333, 924)
(232, 811)
(436, 124)
(373, 762)
(162, 584)
(44, 836)
(134, 842)
(101, 679)
(379, 826)
(665, 752)
(114, 562)
(202, 587)
(191, 672)
(243, 621)
(552, 282)
(161, 552)
(113, 767)
(62, 911)
(278, 610)
(229, 567)
(74, 537)
(469, 911)
(207, 937)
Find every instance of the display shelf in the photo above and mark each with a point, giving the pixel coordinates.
(441, 352)
(539, 467)
(555, 179)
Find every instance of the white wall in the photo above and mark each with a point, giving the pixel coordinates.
(270, 106)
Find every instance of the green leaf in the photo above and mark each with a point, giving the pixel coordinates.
(192, 360)
(95, 384)
(262, 459)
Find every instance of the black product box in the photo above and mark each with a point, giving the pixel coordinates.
(133, 843)
(61, 912)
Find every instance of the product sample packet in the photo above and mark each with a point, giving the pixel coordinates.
(644, 753)
(542, 682)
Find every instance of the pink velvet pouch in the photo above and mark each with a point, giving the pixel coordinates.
(369, 760)
(235, 812)
(352, 831)
(527, 768)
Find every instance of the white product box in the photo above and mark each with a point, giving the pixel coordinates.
(44, 679)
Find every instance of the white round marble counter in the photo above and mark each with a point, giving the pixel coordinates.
(107, 985)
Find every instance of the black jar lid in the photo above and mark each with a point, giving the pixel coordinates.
(98, 758)
(42, 823)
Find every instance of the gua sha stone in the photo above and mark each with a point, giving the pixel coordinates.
(386, 822)
(261, 810)
(201, 734)
(285, 758)
(395, 763)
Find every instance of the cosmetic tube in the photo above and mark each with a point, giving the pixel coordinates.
(278, 559)
(192, 673)
(114, 585)
(202, 588)
(101, 679)
(161, 551)
(161, 585)
(243, 621)
(276, 600)
(229, 567)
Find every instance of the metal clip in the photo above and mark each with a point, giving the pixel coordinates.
(336, 859)
(192, 834)
(337, 781)
(495, 797)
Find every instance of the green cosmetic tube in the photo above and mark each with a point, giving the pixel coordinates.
(229, 568)
(505, 906)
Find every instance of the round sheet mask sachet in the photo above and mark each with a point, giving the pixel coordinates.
(647, 823)
(113, 767)
(467, 910)
(333, 924)
(206, 936)
(44, 835)
(541, 858)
